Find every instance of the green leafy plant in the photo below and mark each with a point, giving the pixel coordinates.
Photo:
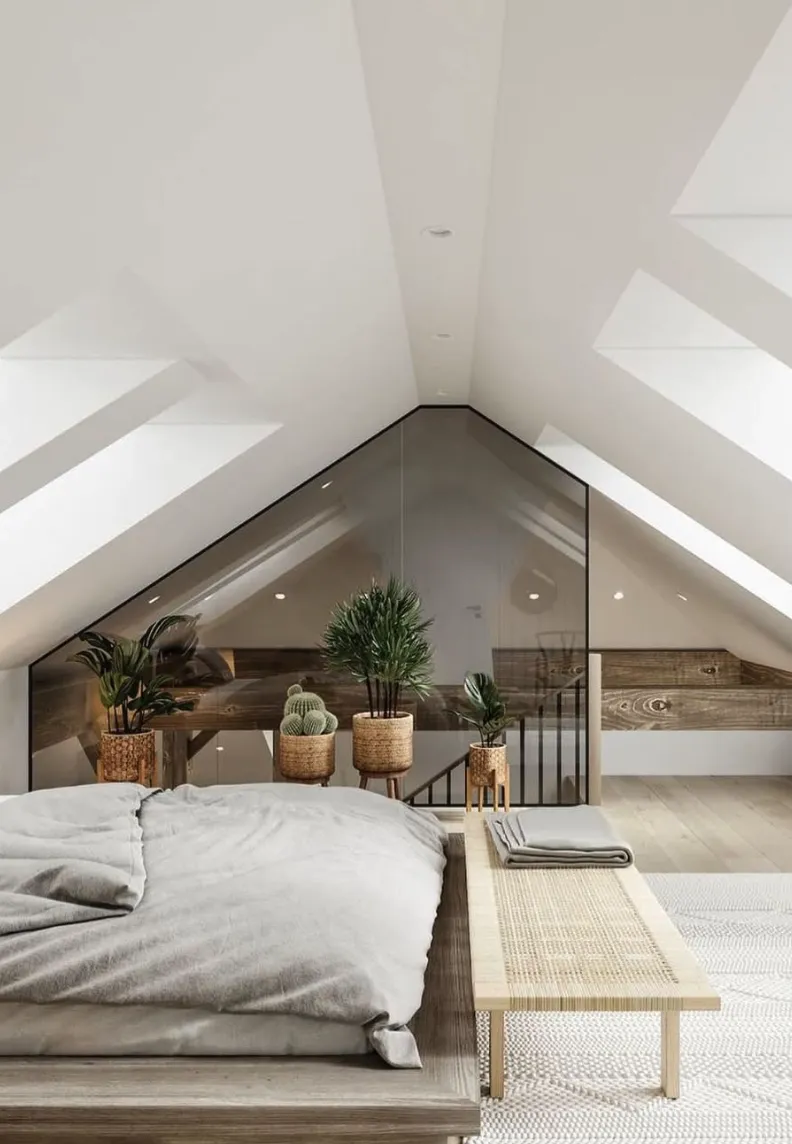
(379, 638)
(130, 689)
(486, 709)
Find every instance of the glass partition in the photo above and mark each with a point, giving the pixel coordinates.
(492, 535)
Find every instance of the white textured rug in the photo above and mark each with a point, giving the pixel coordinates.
(595, 1077)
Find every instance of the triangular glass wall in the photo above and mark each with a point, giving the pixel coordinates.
(492, 535)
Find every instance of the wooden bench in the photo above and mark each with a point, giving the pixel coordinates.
(574, 941)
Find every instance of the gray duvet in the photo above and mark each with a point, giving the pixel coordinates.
(246, 899)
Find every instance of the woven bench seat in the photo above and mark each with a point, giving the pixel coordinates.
(574, 940)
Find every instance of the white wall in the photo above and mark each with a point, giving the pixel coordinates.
(14, 731)
(697, 752)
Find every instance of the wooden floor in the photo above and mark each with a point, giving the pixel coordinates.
(702, 824)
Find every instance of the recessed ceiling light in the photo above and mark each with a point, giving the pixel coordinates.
(327, 484)
(441, 337)
(533, 595)
(681, 597)
(437, 231)
(280, 595)
(618, 595)
(153, 599)
(219, 748)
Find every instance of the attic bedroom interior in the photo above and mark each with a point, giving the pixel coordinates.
(396, 619)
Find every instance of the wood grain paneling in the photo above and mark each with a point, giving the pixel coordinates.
(696, 708)
(260, 662)
(61, 708)
(761, 676)
(670, 668)
(257, 705)
(657, 689)
(536, 670)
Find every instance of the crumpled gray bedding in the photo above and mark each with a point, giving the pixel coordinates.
(70, 857)
(258, 899)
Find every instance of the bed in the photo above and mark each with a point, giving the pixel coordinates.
(175, 975)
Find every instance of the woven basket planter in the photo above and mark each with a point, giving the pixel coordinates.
(382, 745)
(306, 758)
(127, 758)
(484, 761)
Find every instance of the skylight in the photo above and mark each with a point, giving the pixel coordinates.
(668, 520)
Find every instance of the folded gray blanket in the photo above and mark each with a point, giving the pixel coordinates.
(565, 836)
(70, 855)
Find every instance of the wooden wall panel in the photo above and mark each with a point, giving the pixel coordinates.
(62, 707)
(258, 662)
(642, 689)
(758, 675)
(670, 668)
(536, 670)
(696, 708)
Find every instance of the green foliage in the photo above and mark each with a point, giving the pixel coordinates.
(314, 722)
(292, 725)
(486, 709)
(129, 689)
(304, 713)
(379, 638)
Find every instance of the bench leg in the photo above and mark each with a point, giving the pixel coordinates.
(669, 1053)
(497, 1053)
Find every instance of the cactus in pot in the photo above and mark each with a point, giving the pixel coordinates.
(306, 750)
(304, 713)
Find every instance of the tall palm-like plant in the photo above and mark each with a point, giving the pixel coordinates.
(130, 690)
(379, 638)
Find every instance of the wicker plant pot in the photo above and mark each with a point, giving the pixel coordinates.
(306, 758)
(127, 758)
(382, 745)
(486, 760)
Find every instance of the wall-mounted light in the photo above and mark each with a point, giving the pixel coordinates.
(219, 748)
(327, 484)
(681, 597)
(208, 597)
(153, 599)
(280, 595)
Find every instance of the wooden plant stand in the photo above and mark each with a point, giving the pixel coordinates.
(493, 786)
(392, 781)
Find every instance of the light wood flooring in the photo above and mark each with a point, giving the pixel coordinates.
(702, 824)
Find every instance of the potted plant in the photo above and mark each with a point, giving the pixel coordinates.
(132, 694)
(379, 638)
(487, 711)
(306, 748)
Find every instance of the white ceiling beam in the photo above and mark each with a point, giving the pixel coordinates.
(58, 414)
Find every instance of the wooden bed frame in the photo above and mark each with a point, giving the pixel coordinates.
(170, 1100)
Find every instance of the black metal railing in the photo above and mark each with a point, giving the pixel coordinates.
(551, 766)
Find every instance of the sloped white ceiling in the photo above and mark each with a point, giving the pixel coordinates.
(213, 223)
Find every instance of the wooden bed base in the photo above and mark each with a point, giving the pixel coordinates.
(172, 1100)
